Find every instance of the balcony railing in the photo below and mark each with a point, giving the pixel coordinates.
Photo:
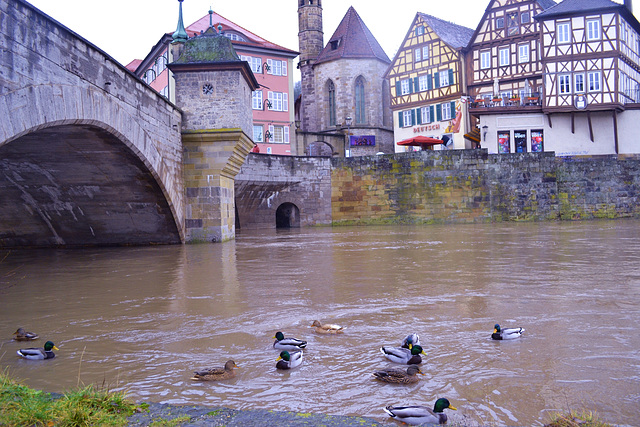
(531, 100)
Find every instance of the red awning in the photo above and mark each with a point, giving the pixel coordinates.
(418, 141)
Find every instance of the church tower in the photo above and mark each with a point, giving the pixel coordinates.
(311, 43)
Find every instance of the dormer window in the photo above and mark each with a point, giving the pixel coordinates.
(334, 44)
(234, 36)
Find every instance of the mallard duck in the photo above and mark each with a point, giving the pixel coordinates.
(398, 376)
(291, 344)
(22, 335)
(404, 355)
(327, 328)
(417, 415)
(288, 360)
(411, 339)
(506, 333)
(216, 374)
(38, 353)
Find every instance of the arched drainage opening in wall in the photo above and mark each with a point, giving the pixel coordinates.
(287, 216)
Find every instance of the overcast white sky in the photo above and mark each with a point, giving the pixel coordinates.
(128, 29)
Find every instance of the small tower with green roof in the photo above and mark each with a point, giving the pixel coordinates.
(213, 89)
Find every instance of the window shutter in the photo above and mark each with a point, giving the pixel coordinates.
(431, 115)
(271, 131)
(411, 88)
(436, 80)
(429, 81)
(418, 116)
(453, 109)
(451, 82)
(438, 112)
(270, 98)
(416, 84)
(286, 134)
(398, 89)
(413, 117)
(400, 122)
(284, 68)
(270, 65)
(285, 101)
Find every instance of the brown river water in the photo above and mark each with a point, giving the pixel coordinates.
(142, 319)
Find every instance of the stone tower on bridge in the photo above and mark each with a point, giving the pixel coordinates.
(213, 89)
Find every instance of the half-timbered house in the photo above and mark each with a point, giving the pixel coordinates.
(427, 84)
(505, 76)
(592, 77)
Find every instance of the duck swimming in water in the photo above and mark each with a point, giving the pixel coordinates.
(22, 335)
(289, 344)
(399, 376)
(38, 353)
(506, 333)
(216, 374)
(404, 355)
(288, 360)
(327, 328)
(411, 339)
(418, 415)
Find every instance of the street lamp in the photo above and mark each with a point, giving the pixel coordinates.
(347, 143)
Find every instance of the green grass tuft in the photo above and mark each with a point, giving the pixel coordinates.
(575, 419)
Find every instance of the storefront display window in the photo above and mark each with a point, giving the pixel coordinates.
(537, 141)
(520, 140)
(504, 142)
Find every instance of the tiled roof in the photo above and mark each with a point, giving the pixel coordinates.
(133, 65)
(452, 34)
(254, 40)
(352, 39)
(567, 7)
(546, 4)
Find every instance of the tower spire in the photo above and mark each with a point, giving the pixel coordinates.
(180, 36)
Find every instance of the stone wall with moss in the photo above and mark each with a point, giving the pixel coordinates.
(466, 186)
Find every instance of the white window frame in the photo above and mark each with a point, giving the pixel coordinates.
(563, 31)
(277, 67)
(594, 81)
(279, 101)
(425, 115)
(503, 54)
(279, 134)
(523, 53)
(446, 111)
(417, 55)
(423, 83)
(593, 29)
(564, 84)
(444, 78)
(256, 100)
(578, 83)
(406, 119)
(405, 87)
(420, 30)
(485, 60)
(258, 134)
(425, 53)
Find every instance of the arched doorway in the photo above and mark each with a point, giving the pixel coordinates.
(320, 148)
(287, 216)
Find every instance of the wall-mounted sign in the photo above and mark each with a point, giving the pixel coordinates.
(520, 140)
(362, 140)
(581, 102)
(537, 141)
(504, 141)
(426, 128)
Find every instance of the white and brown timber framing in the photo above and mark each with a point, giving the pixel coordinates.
(506, 46)
(443, 42)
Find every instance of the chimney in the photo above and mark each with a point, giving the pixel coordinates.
(627, 4)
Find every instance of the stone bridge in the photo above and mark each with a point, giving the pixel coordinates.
(88, 153)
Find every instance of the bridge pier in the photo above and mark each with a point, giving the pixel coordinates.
(212, 159)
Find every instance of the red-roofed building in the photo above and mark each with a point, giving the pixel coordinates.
(272, 65)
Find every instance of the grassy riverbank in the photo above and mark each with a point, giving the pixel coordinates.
(91, 406)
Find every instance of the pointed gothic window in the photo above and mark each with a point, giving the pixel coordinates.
(360, 105)
(331, 92)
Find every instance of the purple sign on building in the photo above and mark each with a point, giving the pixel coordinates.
(362, 140)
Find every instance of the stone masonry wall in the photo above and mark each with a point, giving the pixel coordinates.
(452, 186)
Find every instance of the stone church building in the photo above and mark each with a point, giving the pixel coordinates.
(344, 107)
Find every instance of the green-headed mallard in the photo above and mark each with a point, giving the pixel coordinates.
(404, 355)
(327, 328)
(22, 335)
(506, 333)
(418, 415)
(38, 353)
(399, 376)
(410, 340)
(290, 344)
(216, 374)
(288, 360)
